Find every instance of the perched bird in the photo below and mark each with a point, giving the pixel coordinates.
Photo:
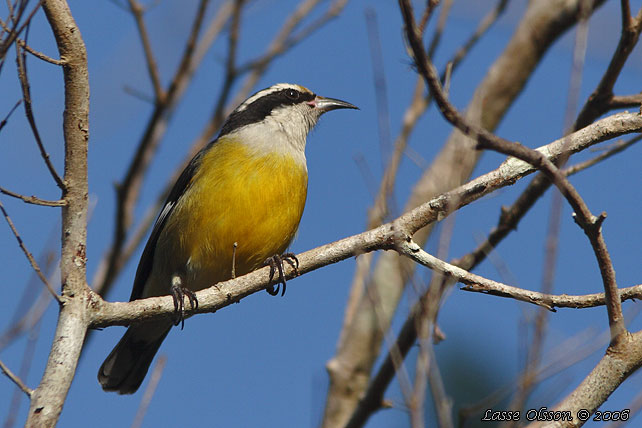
(235, 206)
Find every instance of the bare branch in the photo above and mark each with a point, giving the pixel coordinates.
(598, 102)
(6, 118)
(23, 44)
(617, 148)
(32, 261)
(33, 199)
(15, 379)
(624, 101)
(15, 32)
(585, 219)
(137, 12)
(553, 301)
(48, 398)
(154, 379)
(287, 39)
(26, 96)
(485, 24)
(606, 376)
(483, 285)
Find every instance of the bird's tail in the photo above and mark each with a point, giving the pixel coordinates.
(126, 366)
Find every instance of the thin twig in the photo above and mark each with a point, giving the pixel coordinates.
(190, 58)
(38, 54)
(617, 148)
(26, 96)
(14, 33)
(428, 10)
(624, 101)
(137, 12)
(439, 29)
(379, 77)
(480, 284)
(598, 102)
(482, 28)
(231, 72)
(33, 199)
(32, 261)
(25, 367)
(563, 356)
(427, 367)
(6, 118)
(154, 379)
(287, 39)
(15, 379)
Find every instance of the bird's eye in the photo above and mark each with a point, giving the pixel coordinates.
(292, 94)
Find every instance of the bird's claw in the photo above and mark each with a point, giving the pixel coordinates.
(276, 264)
(179, 293)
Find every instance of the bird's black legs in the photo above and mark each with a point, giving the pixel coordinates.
(276, 264)
(179, 293)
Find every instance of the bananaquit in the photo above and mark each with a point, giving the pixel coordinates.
(237, 204)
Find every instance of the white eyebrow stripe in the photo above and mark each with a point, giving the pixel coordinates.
(267, 91)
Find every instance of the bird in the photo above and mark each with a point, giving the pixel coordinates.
(236, 207)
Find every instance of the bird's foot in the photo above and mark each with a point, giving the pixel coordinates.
(179, 293)
(276, 264)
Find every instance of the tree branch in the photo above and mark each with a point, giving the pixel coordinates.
(33, 199)
(15, 379)
(26, 96)
(48, 398)
(590, 224)
(152, 67)
(28, 254)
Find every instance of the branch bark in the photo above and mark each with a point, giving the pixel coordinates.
(48, 398)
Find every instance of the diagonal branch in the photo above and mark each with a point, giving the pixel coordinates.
(585, 219)
(26, 96)
(15, 379)
(4, 121)
(28, 254)
(15, 32)
(598, 102)
(138, 12)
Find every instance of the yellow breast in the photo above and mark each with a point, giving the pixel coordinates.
(254, 199)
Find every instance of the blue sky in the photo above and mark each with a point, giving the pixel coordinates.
(261, 363)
